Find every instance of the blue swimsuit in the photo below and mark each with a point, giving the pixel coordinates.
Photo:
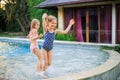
(48, 40)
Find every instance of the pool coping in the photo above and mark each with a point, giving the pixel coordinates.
(65, 42)
(112, 62)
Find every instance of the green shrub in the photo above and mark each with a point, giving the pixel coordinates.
(1, 30)
(116, 48)
(107, 47)
(65, 37)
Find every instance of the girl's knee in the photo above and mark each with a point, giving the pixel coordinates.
(46, 63)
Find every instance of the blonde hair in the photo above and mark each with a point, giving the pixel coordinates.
(34, 22)
(49, 18)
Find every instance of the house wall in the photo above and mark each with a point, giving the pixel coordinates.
(61, 22)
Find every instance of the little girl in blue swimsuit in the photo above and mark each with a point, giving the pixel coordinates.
(49, 24)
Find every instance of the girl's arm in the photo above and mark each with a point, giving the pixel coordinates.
(44, 23)
(34, 34)
(28, 36)
(40, 36)
(67, 29)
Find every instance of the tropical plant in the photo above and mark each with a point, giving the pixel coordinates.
(17, 10)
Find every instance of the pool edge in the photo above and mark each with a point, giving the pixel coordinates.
(107, 71)
(65, 42)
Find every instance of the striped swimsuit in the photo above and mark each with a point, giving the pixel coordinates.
(48, 41)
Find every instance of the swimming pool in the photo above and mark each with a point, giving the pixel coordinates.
(17, 63)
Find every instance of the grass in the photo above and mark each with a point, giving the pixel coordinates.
(14, 34)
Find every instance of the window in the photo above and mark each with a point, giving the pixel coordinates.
(92, 24)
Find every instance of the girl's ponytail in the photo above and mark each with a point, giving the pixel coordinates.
(45, 19)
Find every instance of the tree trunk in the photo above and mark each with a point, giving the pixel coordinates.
(22, 27)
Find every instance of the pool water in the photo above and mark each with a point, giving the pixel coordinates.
(17, 63)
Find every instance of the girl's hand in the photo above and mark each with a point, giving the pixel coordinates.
(72, 21)
(44, 15)
(27, 36)
(40, 36)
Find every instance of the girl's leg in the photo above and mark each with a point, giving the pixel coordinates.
(49, 57)
(45, 59)
(38, 54)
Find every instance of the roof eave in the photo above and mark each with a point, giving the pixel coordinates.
(62, 4)
(45, 7)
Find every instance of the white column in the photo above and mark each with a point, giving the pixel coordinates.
(60, 18)
(113, 23)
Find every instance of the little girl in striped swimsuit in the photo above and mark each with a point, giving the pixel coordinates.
(33, 36)
(49, 24)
